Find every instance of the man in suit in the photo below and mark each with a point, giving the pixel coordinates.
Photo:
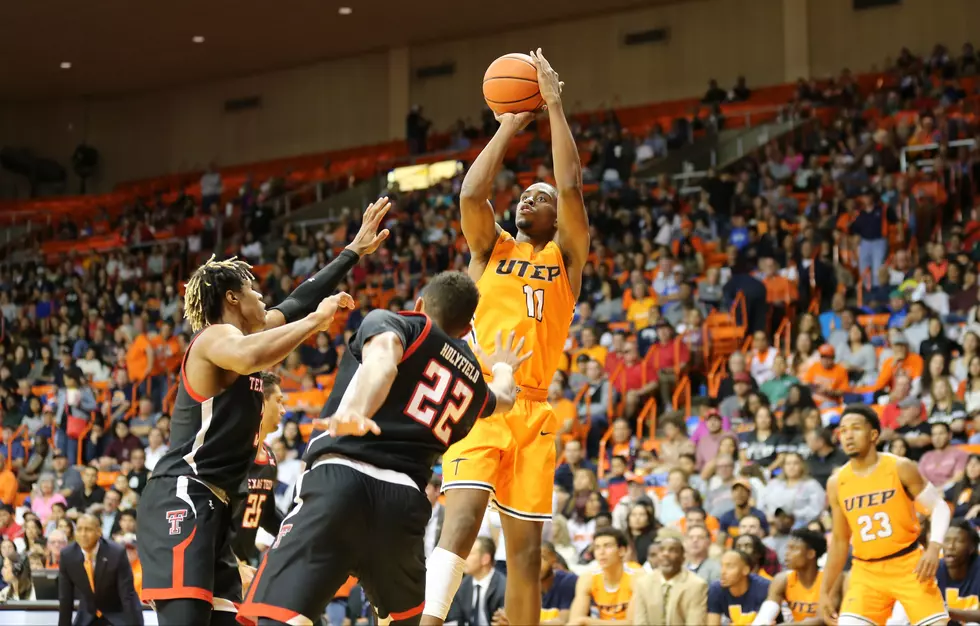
(97, 571)
(671, 594)
(481, 594)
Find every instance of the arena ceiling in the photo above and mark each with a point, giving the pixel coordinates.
(119, 46)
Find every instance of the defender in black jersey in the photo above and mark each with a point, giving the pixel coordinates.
(189, 569)
(408, 386)
(256, 499)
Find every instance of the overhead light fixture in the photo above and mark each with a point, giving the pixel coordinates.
(198, 39)
(65, 65)
(345, 10)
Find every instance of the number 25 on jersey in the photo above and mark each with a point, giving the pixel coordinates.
(535, 302)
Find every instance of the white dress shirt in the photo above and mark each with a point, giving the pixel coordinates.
(480, 608)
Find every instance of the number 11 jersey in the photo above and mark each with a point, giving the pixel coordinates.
(878, 509)
(437, 396)
(527, 292)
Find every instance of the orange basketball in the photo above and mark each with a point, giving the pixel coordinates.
(511, 85)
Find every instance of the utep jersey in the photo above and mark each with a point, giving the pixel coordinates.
(213, 439)
(434, 401)
(738, 611)
(528, 293)
(612, 604)
(878, 509)
(257, 506)
(802, 602)
(960, 594)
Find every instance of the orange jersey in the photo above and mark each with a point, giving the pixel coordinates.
(801, 600)
(612, 604)
(528, 293)
(878, 509)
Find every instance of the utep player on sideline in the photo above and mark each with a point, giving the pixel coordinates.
(409, 385)
(189, 569)
(800, 586)
(529, 285)
(872, 499)
(958, 575)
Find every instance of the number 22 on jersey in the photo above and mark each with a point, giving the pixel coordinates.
(877, 526)
(430, 396)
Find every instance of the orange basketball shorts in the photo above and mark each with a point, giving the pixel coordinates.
(511, 455)
(875, 587)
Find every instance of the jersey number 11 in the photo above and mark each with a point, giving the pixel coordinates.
(535, 302)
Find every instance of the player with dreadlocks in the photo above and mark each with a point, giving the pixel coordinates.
(190, 570)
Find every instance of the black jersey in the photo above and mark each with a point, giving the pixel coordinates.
(256, 507)
(436, 398)
(213, 439)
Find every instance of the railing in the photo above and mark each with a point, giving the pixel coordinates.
(784, 330)
(926, 164)
(683, 391)
(603, 461)
(648, 412)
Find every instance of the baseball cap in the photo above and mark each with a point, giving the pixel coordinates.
(827, 350)
(897, 294)
(742, 482)
(712, 413)
(742, 377)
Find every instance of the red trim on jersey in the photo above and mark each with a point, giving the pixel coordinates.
(178, 590)
(486, 398)
(400, 615)
(418, 342)
(249, 613)
(270, 459)
(255, 581)
(183, 373)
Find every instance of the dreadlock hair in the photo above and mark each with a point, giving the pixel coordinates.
(204, 293)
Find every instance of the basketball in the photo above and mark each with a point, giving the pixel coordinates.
(510, 85)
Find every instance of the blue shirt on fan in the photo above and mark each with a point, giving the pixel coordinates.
(960, 594)
(741, 609)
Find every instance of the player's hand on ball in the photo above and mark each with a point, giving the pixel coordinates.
(548, 82)
(329, 307)
(343, 424)
(505, 352)
(368, 238)
(518, 121)
(926, 568)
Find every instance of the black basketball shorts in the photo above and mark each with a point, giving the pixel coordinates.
(185, 544)
(350, 518)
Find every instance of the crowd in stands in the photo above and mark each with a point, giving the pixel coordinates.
(717, 336)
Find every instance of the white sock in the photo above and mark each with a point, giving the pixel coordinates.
(443, 573)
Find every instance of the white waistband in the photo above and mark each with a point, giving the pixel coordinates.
(386, 475)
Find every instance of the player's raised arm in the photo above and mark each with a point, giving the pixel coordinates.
(573, 220)
(836, 556)
(226, 347)
(305, 298)
(505, 359)
(926, 494)
(477, 218)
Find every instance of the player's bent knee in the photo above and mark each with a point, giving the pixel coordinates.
(465, 509)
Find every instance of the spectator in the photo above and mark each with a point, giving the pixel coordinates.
(557, 587)
(138, 473)
(762, 445)
(776, 389)
(417, 131)
(734, 407)
(8, 483)
(57, 541)
(740, 92)
(123, 444)
(783, 521)
(66, 478)
(749, 540)
(729, 520)
(110, 512)
(572, 463)
(706, 448)
(715, 94)
(635, 494)
(88, 494)
(671, 594)
(828, 379)
(481, 594)
(9, 528)
(857, 356)
(794, 492)
(642, 527)
(761, 358)
(944, 464)
(142, 423)
(211, 188)
(825, 456)
(608, 586)
(82, 566)
(44, 496)
(155, 448)
(697, 546)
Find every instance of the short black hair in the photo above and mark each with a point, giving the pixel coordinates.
(615, 533)
(450, 300)
(814, 541)
(487, 546)
(128, 513)
(696, 509)
(941, 424)
(969, 529)
(745, 556)
(758, 549)
(866, 412)
(269, 382)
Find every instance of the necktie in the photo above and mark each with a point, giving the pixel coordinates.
(476, 606)
(90, 570)
(666, 600)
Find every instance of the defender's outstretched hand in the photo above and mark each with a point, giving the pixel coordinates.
(329, 306)
(368, 238)
(505, 353)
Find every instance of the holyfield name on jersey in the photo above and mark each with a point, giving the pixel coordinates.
(461, 362)
(876, 498)
(526, 269)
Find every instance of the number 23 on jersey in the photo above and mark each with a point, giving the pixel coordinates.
(877, 526)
